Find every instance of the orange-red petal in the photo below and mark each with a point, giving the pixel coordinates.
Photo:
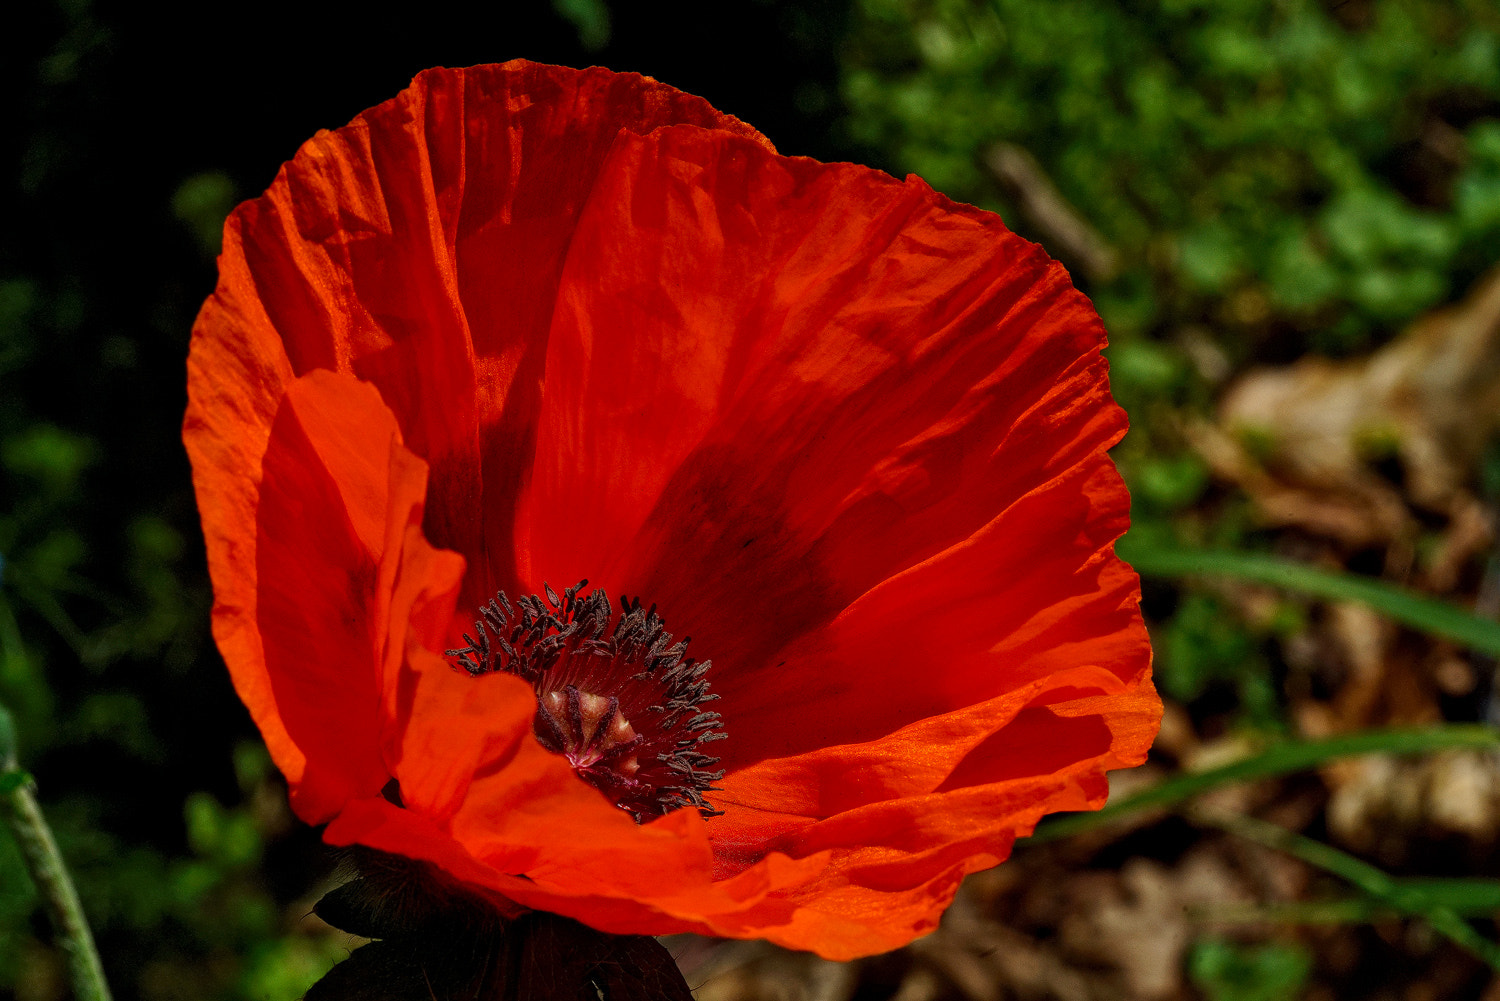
(419, 247)
(773, 383)
(332, 559)
(863, 464)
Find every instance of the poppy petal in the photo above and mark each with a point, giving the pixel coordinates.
(864, 375)
(418, 248)
(338, 581)
(810, 453)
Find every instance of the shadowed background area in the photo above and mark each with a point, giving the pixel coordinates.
(1286, 214)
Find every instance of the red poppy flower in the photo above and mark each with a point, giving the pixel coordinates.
(525, 325)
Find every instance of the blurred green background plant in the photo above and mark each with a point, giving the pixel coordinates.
(1236, 184)
(1293, 170)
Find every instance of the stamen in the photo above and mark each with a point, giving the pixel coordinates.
(615, 695)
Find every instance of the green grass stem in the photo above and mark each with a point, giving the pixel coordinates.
(1430, 615)
(1403, 896)
(23, 815)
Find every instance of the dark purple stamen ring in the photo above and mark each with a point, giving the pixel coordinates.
(615, 694)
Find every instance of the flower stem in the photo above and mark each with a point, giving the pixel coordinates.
(23, 815)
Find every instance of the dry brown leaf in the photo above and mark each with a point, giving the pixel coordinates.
(1381, 805)
(1433, 394)
(1304, 440)
(1143, 929)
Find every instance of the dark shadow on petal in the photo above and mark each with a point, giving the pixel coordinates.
(1037, 742)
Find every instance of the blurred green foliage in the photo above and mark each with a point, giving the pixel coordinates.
(214, 928)
(590, 18)
(105, 662)
(201, 202)
(1330, 170)
(1203, 644)
(1229, 971)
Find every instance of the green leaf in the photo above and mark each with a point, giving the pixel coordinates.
(7, 740)
(1429, 615)
(1228, 971)
(1171, 482)
(51, 456)
(1201, 644)
(1465, 895)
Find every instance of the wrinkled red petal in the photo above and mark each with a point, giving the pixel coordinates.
(331, 538)
(419, 247)
(862, 375)
(863, 464)
(1020, 603)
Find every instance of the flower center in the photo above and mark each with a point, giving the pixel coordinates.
(587, 729)
(615, 696)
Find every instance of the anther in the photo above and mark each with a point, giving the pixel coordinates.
(615, 695)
